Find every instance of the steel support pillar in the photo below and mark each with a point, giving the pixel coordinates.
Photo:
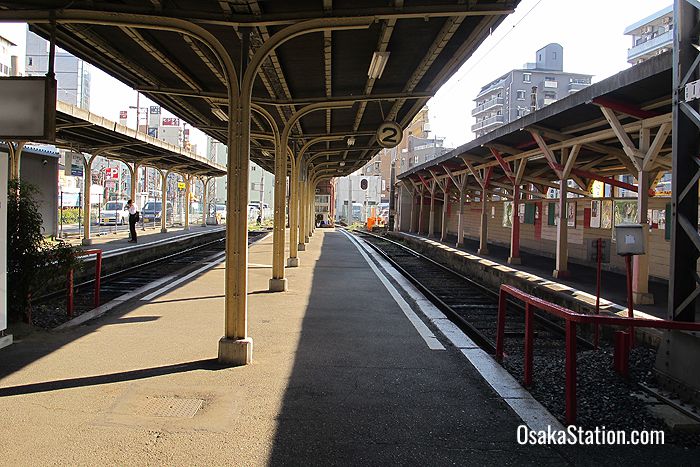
(460, 219)
(163, 201)
(678, 358)
(87, 183)
(134, 169)
(431, 218)
(640, 271)
(188, 181)
(303, 213)
(514, 257)
(484, 230)
(420, 213)
(205, 209)
(562, 259)
(445, 205)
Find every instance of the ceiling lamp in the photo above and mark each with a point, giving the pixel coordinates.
(351, 140)
(376, 67)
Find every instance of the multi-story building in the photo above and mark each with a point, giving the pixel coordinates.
(72, 73)
(261, 182)
(651, 36)
(6, 57)
(521, 91)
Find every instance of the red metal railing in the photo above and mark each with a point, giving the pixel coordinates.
(98, 275)
(573, 319)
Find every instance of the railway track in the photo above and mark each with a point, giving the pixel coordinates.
(470, 305)
(118, 283)
(605, 398)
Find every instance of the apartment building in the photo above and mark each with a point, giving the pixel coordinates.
(521, 91)
(651, 36)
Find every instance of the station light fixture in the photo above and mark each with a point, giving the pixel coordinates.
(342, 164)
(351, 140)
(376, 67)
(220, 113)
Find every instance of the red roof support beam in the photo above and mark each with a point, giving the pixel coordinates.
(424, 182)
(487, 178)
(624, 107)
(505, 165)
(600, 178)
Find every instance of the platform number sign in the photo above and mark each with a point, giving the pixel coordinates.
(389, 135)
(363, 184)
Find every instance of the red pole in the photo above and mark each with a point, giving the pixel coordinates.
(98, 275)
(570, 372)
(501, 325)
(529, 324)
(630, 303)
(597, 292)
(69, 300)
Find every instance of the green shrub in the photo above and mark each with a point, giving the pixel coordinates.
(32, 261)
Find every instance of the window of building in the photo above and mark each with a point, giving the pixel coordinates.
(29, 61)
(550, 95)
(554, 55)
(550, 78)
(527, 77)
(521, 95)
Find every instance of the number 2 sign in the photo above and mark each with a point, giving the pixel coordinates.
(389, 135)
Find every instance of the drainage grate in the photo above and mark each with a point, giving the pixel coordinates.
(171, 407)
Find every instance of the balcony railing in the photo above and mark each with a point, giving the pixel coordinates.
(574, 86)
(495, 120)
(550, 84)
(497, 85)
(665, 39)
(489, 104)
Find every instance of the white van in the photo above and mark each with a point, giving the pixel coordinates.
(114, 212)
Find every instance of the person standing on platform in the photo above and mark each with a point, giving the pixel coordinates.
(133, 219)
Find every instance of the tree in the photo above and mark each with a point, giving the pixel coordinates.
(33, 262)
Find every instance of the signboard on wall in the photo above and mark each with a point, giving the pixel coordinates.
(170, 121)
(28, 108)
(123, 116)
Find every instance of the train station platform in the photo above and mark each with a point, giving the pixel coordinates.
(577, 292)
(343, 373)
(116, 242)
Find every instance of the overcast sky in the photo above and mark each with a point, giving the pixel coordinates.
(590, 31)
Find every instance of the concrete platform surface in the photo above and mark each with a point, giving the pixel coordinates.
(340, 377)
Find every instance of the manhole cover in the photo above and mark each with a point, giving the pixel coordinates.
(171, 407)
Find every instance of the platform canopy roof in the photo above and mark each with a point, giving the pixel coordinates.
(81, 131)
(601, 125)
(428, 40)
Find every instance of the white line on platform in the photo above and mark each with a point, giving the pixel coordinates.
(535, 416)
(211, 261)
(423, 330)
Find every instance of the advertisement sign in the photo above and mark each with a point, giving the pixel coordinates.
(153, 132)
(170, 121)
(76, 166)
(123, 115)
(153, 117)
(595, 214)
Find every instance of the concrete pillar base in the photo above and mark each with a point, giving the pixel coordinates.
(561, 274)
(163, 230)
(5, 340)
(482, 251)
(86, 241)
(235, 352)
(292, 262)
(514, 260)
(306, 239)
(187, 227)
(301, 247)
(278, 285)
(459, 245)
(311, 234)
(645, 298)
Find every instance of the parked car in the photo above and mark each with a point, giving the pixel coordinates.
(153, 210)
(114, 212)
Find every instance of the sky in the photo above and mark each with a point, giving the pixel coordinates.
(590, 31)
